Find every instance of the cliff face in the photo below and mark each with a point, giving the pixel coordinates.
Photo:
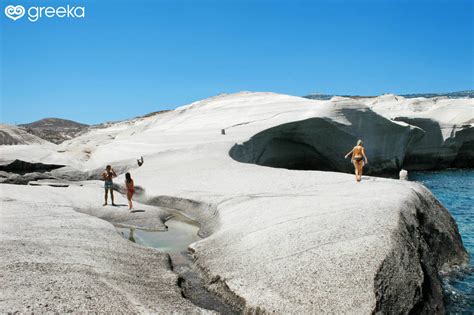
(425, 243)
(321, 143)
(412, 143)
(325, 256)
(448, 126)
(435, 151)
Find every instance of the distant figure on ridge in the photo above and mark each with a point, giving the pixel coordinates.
(130, 189)
(107, 176)
(358, 155)
(140, 161)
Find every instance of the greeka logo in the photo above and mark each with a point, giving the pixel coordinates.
(16, 12)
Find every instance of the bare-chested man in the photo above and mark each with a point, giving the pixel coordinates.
(107, 176)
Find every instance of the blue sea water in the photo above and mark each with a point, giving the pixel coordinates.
(455, 190)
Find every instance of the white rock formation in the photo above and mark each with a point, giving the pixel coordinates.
(290, 241)
(447, 123)
(57, 260)
(12, 135)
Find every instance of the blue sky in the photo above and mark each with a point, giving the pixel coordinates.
(128, 58)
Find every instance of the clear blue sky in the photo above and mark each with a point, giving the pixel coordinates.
(128, 58)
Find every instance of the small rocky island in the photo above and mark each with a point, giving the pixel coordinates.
(284, 226)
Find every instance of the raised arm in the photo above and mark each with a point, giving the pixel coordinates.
(113, 173)
(349, 153)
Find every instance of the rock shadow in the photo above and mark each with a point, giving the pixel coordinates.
(321, 144)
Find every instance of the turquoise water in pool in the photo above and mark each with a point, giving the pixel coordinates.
(176, 239)
(455, 190)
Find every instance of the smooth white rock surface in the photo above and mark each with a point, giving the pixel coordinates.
(284, 240)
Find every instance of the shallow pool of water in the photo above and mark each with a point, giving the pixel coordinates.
(175, 241)
(181, 232)
(455, 190)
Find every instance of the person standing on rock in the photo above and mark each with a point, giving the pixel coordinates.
(107, 176)
(358, 157)
(130, 189)
(140, 161)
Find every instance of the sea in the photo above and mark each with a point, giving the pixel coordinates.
(455, 190)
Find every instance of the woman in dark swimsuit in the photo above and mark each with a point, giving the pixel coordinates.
(358, 155)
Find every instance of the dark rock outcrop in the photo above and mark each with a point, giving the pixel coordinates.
(23, 167)
(55, 130)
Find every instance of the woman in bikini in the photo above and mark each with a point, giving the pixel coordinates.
(358, 155)
(130, 189)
